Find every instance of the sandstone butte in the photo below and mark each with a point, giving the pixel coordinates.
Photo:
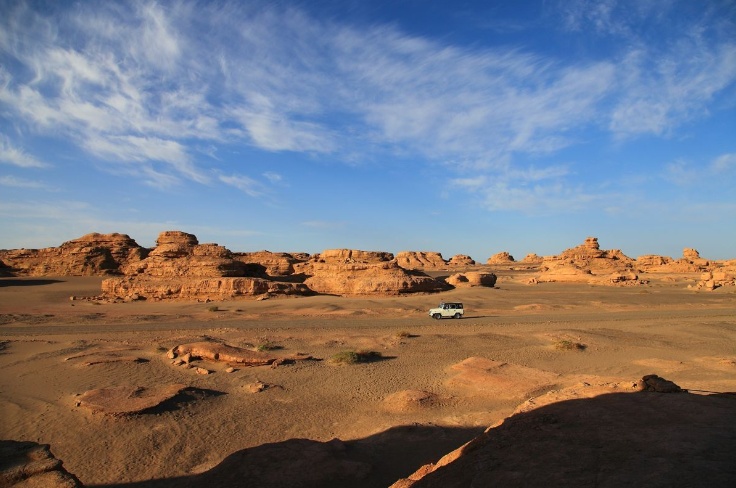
(472, 278)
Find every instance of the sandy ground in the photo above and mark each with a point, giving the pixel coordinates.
(662, 328)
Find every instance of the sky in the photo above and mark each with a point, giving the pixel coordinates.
(458, 127)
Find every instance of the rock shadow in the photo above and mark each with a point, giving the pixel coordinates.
(374, 461)
(615, 439)
(21, 282)
(181, 399)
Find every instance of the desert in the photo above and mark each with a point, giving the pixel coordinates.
(331, 373)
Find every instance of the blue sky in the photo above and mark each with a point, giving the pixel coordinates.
(401, 125)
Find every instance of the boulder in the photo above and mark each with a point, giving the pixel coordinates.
(469, 279)
(710, 280)
(420, 260)
(501, 258)
(91, 255)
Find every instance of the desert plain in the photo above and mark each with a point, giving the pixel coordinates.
(575, 351)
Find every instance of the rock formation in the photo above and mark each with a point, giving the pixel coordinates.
(126, 400)
(501, 258)
(91, 255)
(710, 280)
(472, 279)
(352, 272)
(181, 268)
(235, 356)
(691, 262)
(589, 257)
(272, 264)
(569, 437)
(420, 260)
(461, 260)
(532, 259)
(32, 465)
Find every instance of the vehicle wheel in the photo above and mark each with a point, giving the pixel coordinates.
(457, 316)
(437, 316)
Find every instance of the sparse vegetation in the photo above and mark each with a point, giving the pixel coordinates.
(267, 346)
(569, 346)
(213, 308)
(352, 357)
(403, 334)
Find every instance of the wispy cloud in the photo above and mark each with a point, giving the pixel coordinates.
(144, 86)
(723, 163)
(16, 156)
(12, 181)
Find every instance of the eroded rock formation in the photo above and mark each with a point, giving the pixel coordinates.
(266, 263)
(472, 278)
(461, 260)
(532, 258)
(180, 268)
(691, 262)
(91, 255)
(710, 280)
(236, 356)
(126, 400)
(420, 260)
(501, 258)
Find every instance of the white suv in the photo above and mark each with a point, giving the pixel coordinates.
(454, 310)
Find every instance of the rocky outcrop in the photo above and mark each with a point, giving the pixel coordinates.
(91, 255)
(420, 260)
(180, 268)
(236, 356)
(460, 280)
(126, 400)
(691, 262)
(479, 376)
(266, 263)
(461, 260)
(353, 272)
(532, 258)
(201, 289)
(178, 254)
(32, 465)
(711, 280)
(501, 258)
(386, 278)
(648, 438)
(589, 257)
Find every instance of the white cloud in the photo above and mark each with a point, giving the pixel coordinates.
(247, 185)
(273, 177)
(12, 181)
(723, 163)
(16, 156)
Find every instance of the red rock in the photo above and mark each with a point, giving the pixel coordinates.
(123, 400)
(214, 351)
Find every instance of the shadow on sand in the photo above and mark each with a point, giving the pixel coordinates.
(22, 282)
(618, 439)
